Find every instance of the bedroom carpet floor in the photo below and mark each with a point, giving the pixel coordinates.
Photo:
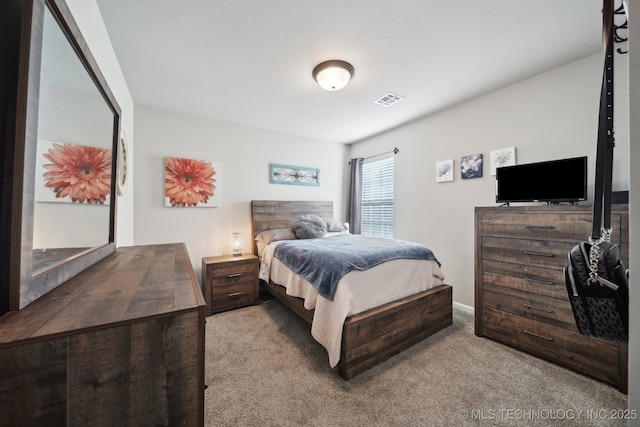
(263, 368)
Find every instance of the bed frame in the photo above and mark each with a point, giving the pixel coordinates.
(373, 336)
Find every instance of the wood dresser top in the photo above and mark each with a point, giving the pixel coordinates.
(133, 283)
(564, 208)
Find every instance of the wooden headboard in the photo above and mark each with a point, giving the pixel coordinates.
(272, 214)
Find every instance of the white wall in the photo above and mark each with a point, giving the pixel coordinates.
(551, 116)
(244, 155)
(89, 20)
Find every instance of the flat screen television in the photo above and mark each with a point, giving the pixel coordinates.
(554, 181)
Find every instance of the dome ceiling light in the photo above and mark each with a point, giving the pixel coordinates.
(333, 75)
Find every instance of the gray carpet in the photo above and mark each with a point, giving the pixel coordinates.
(264, 369)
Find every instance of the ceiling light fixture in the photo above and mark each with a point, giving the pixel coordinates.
(333, 75)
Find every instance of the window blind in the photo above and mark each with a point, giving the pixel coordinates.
(377, 197)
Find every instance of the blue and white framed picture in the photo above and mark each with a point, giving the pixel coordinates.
(471, 166)
(294, 175)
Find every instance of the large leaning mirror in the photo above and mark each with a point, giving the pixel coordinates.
(70, 139)
(73, 156)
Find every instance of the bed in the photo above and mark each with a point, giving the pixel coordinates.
(367, 336)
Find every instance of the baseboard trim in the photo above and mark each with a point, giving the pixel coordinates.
(463, 307)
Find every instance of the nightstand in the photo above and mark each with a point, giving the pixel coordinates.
(230, 281)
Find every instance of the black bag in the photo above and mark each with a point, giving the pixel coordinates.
(596, 280)
(598, 292)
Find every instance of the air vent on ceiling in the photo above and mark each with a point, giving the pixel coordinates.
(388, 100)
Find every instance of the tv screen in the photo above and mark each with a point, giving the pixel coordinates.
(562, 180)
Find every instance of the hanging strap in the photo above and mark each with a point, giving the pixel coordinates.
(605, 143)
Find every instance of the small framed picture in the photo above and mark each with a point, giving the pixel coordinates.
(502, 157)
(471, 166)
(444, 171)
(191, 183)
(294, 175)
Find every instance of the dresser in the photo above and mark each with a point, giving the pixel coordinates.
(120, 344)
(230, 281)
(520, 294)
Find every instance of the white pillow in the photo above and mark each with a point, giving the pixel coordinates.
(268, 236)
(335, 225)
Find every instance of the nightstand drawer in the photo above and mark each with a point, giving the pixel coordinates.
(230, 274)
(237, 295)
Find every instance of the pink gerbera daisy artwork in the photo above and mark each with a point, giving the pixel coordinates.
(79, 173)
(190, 183)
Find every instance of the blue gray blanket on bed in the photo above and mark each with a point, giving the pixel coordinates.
(323, 262)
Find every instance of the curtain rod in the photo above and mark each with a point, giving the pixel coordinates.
(394, 151)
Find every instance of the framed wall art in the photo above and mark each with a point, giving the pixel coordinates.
(444, 171)
(502, 157)
(191, 183)
(471, 166)
(294, 175)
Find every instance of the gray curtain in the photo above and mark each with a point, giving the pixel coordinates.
(355, 196)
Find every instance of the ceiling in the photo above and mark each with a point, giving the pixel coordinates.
(249, 61)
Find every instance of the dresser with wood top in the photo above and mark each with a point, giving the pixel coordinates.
(121, 343)
(520, 294)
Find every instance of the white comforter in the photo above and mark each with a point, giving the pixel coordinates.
(357, 291)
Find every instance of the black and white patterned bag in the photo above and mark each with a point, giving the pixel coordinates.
(598, 290)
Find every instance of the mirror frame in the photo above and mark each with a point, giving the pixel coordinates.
(25, 288)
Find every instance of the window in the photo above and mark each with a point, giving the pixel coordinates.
(377, 197)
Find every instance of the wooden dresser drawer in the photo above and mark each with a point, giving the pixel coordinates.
(598, 358)
(530, 305)
(564, 227)
(545, 281)
(543, 253)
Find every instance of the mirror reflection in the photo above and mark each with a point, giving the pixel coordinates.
(73, 163)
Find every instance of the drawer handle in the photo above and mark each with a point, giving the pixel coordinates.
(229, 276)
(538, 254)
(234, 294)
(537, 336)
(542, 282)
(539, 227)
(532, 307)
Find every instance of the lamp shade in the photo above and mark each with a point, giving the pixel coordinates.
(333, 75)
(237, 243)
